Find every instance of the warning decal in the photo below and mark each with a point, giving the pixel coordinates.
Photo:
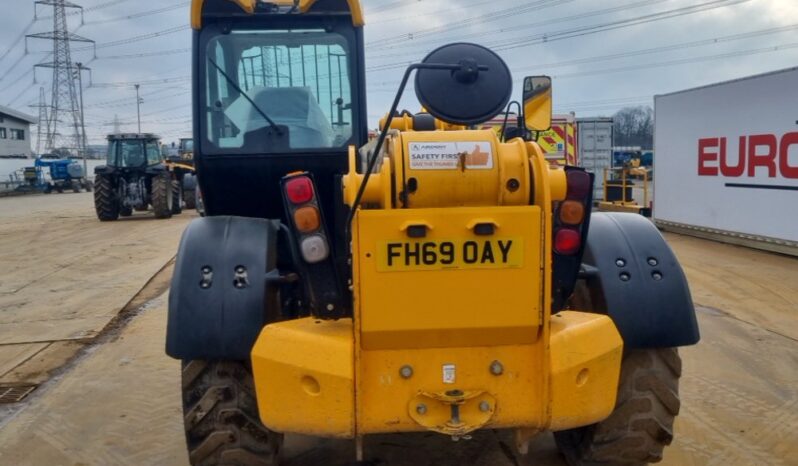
(449, 373)
(472, 155)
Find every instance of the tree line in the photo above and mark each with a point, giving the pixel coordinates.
(634, 126)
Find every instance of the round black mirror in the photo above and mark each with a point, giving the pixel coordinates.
(476, 92)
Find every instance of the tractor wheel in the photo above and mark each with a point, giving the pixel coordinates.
(177, 197)
(105, 202)
(162, 197)
(87, 186)
(641, 425)
(189, 199)
(125, 211)
(75, 187)
(221, 416)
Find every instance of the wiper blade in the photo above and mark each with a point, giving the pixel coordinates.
(271, 122)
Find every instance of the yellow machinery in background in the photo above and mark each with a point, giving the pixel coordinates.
(435, 279)
(619, 189)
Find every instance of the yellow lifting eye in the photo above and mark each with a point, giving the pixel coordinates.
(572, 212)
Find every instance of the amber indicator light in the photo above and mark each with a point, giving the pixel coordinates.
(572, 212)
(307, 219)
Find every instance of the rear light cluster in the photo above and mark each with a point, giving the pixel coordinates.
(312, 244)
(303, 211)
(571, 213)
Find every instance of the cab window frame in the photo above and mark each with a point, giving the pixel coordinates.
(212, 30)
(152, 153)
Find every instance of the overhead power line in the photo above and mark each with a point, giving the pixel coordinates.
(151, 82)
(15, 99)
(131, 101)
(470, 21)
(683, 61)
(593, 29)
(459, 8)
(664, 48)
(387, 6)
(144, 55)
(568, 33)
(17, 40)
(138, 38)
(524, 27)
(100, 6)
(142, 14)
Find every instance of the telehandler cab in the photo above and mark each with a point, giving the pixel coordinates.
(437, 278)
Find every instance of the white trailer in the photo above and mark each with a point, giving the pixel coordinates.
(594, 136)
(727, 161)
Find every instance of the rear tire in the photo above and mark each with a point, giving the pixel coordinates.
(177, 197)
(162, 196)
(189, 199)
(75, 187)
(105, 201)
(125, 211)
(641, 425)
(221, 417)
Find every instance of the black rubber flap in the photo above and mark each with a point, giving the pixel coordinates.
(220, 299)
(464, 97)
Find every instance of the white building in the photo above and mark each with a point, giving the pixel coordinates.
(15, 136)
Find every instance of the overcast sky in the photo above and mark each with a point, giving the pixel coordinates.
(602, 54)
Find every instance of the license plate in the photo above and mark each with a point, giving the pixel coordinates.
(493, 253)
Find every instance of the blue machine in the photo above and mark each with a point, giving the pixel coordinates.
(63, 174)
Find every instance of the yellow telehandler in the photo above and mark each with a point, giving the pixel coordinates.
(437, 278)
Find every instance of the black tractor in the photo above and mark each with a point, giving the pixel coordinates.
(136, 177)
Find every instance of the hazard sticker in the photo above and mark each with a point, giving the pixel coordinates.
(471, 155)
(449, 373)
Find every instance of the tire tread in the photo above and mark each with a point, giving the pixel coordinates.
(105, 202)
(221, 418)
(161, 195)
(641, 425)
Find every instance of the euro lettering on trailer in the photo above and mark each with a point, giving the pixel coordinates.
(494, 253)
(471, 155)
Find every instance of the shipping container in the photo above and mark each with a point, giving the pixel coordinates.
(727, 161)
(594, 143)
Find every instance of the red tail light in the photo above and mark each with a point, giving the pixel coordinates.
(578, 184)
(567, 241)
(299, 190)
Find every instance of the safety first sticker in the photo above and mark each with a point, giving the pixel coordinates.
(471, 155)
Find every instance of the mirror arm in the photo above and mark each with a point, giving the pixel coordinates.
(507, 116)
(377, 149)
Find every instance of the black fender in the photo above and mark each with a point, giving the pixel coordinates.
(634, 277)
(104, 170)
(224, 288)
(189, 182)
(156, 169)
